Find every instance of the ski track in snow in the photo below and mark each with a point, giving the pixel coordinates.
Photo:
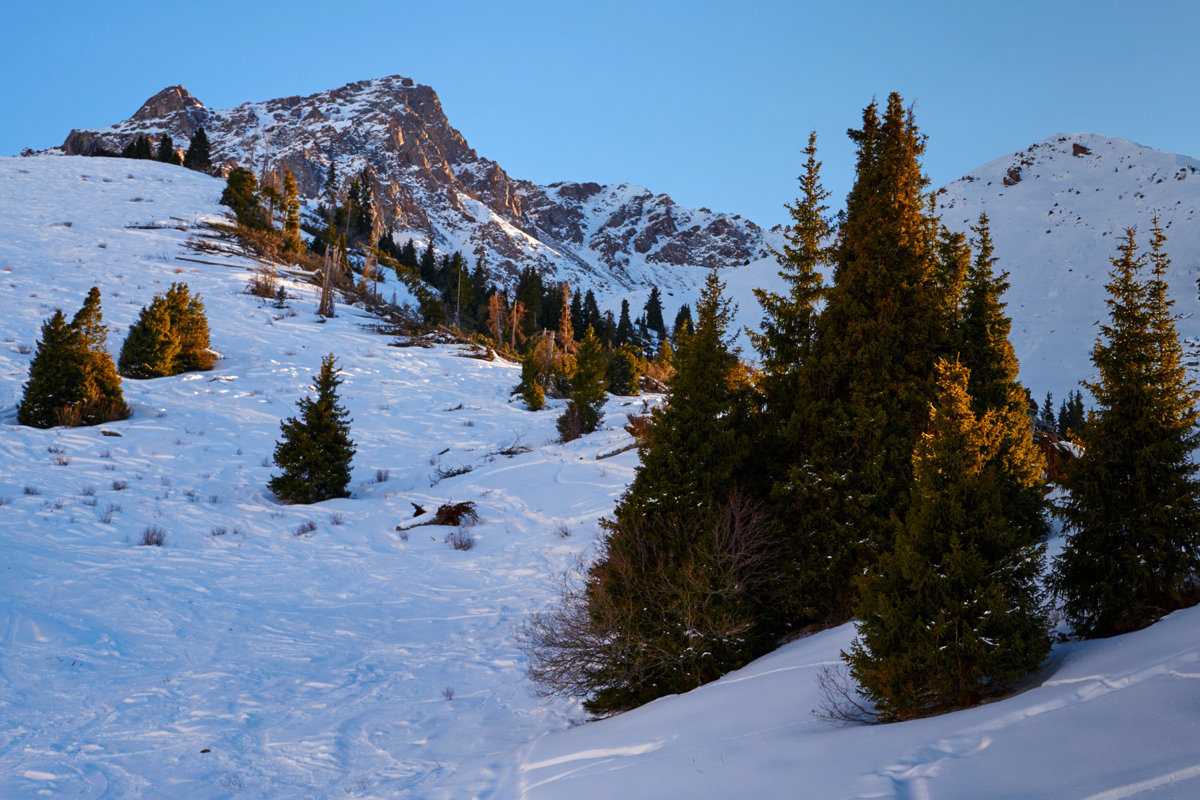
(250, 658)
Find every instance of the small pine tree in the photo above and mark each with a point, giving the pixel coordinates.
(953, 614)
(103, 399)
(56, 376)
(150, 349)
(241, 195)
(624, 333)
(683, 323)
(189, 326)
(1132, 515)
(625, 369)
(530, 387)
(198, 156)
(315, 452)
(588, 384)
(654, 313)
(139, 148)
(166, 151)
(292, 242)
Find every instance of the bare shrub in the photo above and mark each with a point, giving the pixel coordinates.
(460, 539)
(153, 536)
(88, 491)
(24, 349)
(448, 693)
(839, 700)
(337, 519)
(120, 485)
(263, 282)
(562, 531)
(32, 491)
(441, 473)
(110, 511)
(306, 528)
(382, 475)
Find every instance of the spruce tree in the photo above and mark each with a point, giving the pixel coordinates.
(189, 327)
(685, 605)
(1132, 515)
(292, 242)
(315, 452)
(198, 156)
(654, 313)
(241, 195)
(624, 333)
(103, 399)
(166, 151)
(588, 385)
(683, 322)
(57, 375)
(150, 348)
(953, 613)
(869, 376)
(625, 368)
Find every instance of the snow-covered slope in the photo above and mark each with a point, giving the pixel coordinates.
(1057, 212)
(253, 657)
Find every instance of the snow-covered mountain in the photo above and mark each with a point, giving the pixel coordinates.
(429, 183)
(274, 651)
(1057, 211)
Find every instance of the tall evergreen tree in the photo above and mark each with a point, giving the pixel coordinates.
(870, 371)
(198, 156)
(1132, 515)
(686, 601)
(315, 452)
(139, 148)
(953, 613)
(683, 322)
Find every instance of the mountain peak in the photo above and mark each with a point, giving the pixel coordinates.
(168, 101)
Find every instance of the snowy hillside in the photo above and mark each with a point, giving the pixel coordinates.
(316, 651)
(1057, 210)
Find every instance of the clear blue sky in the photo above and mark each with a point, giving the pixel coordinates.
(710, 102)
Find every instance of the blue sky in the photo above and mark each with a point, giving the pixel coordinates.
(710, 102)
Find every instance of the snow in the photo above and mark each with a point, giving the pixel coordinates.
(250, 657)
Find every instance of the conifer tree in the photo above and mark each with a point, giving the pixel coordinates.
(654, 313)
(870, 371)
(150, 348)
(103, 399)
(590, 316)
(683, 322)
(315, 452)
(625, 368)
(198, 156)
(292, 242)
(139, 148)
(588, 384)
(578, 325)
(57, 375)
(685, 595)
(789, 323)
(241, 195)
(983, 344)
(624, 332)
(166, 151)
(565, 335)
(189, 327)
(953, 613)
(1132, 516)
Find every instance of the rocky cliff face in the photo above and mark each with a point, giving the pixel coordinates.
(429, 184)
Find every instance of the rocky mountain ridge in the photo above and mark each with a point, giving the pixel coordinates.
(429, 184)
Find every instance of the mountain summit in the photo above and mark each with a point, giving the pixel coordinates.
(428, 183)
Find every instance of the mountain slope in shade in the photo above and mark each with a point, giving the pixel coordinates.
(429, 184)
